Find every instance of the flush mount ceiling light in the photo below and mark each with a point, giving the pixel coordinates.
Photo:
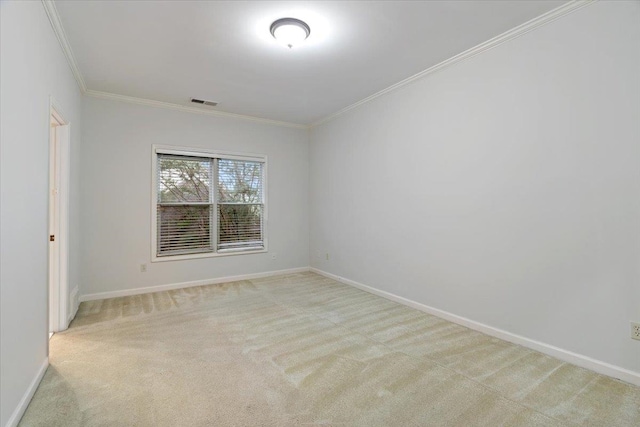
(290, 31)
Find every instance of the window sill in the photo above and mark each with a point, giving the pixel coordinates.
(206, 255)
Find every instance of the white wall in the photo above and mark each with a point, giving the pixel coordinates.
(504, 189)
(116, 193)
(32, 67)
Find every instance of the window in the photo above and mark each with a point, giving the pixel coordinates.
(207, 204)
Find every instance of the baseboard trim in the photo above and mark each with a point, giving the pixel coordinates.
(171, 286)
(28, 394)
(559, 353)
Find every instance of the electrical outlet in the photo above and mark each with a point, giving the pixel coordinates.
(143, 268)
(635, 330)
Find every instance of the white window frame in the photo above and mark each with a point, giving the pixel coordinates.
(203, 152)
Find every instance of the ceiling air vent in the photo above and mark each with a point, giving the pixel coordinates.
(203, 102)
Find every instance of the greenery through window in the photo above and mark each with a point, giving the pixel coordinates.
(208, 205)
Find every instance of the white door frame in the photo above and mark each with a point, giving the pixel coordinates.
(59, 174)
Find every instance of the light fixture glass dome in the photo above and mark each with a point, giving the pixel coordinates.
(290, 31)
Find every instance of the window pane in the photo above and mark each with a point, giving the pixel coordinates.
(184, 229)
(239, 181)
(183, 179)
(240, 226)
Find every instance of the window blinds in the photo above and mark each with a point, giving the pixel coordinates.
(184, 204)
(240, 204)
(196, 213)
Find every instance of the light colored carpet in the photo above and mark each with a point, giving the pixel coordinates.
(303, 350)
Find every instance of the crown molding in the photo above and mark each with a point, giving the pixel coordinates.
(188, 109)
(58, 29)
(61, 35)
(511, 34)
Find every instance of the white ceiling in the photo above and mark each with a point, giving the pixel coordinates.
(222, 51)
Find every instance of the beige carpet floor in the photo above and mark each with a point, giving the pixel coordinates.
(304, 350)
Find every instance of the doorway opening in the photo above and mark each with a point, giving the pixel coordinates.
(59, 168)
